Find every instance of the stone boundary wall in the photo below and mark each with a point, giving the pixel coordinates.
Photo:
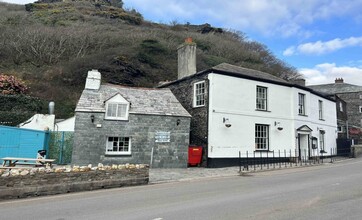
(356, 151)
(41, 184)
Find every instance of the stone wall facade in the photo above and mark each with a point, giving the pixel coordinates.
(40, 184)
(90, 140)
(342, 117)
(354, 101)
(184, 92)
(356, 151)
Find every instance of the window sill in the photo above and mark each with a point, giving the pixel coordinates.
(261, 110)
(303, 115)
(116, 119)
(118, 155)
(199, 106)
(321, 119)
(263, 151)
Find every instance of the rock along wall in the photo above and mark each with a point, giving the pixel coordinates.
(40, 184)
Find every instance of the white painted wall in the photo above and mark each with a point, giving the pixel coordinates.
(39, 122)
(328, 124)
(235, 99)
(65, 125)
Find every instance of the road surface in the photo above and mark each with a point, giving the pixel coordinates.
(322, 192)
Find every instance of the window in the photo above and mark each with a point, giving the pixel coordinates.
(360, 109)
(199, 94)
(261, 98)
(117, 111)
(261, 137)
(321, 140)
(117, 108)
(301, 104)
(360, 96)
(340, 106)
(340, 129)
(118, 146)
(320, 109)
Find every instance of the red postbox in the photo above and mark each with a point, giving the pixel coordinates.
(195, 155)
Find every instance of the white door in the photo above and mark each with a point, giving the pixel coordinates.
(303, 146)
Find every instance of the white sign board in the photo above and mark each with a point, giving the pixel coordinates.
(162, 136)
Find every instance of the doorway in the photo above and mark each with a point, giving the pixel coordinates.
(304, 134)
(304, 146)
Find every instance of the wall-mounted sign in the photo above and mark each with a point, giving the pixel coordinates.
(162, 136)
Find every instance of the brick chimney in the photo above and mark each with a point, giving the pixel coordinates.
(186, 58)
(338, 80)
(300, 82)
(93, 81)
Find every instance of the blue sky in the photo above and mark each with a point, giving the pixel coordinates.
(321, 38)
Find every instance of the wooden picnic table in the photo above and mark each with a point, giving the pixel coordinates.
(13, 161)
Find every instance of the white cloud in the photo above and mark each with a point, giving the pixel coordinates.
(320, 47)
(289, 51)
(327, 72)
(269, 17)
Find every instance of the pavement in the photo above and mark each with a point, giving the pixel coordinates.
(164, 175)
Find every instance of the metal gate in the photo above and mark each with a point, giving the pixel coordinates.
(61, 146)
(344, 147)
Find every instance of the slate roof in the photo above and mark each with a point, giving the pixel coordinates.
(336, 88)
(249, 73)
(241, 72)
(143, 100)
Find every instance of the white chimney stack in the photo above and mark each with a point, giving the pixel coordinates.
(51, 108)
(186, 58)
(93, 80)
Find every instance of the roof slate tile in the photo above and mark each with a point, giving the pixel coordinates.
(142, 100)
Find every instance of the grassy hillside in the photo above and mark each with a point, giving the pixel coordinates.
(51, 46)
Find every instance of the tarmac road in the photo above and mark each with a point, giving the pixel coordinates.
(319, 192)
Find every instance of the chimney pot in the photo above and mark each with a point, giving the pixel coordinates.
(188, 40)
(338, 80)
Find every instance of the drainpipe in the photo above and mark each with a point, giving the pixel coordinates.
(347, 129)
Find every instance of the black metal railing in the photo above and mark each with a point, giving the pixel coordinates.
(259, 160)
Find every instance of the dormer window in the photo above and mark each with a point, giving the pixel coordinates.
(117, 108)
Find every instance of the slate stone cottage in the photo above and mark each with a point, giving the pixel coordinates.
(117, 124)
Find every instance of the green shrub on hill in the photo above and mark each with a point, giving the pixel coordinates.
(18, 108)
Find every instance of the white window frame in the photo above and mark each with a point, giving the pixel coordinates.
(261, 137)
(320, 109)
(301, 104)
(199, 94)
(121, 142)
(340, 129)
(121, 108)
(262, 98)
(340, 106)
(321, 139)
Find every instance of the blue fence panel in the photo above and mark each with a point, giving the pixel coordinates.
(19, 142)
